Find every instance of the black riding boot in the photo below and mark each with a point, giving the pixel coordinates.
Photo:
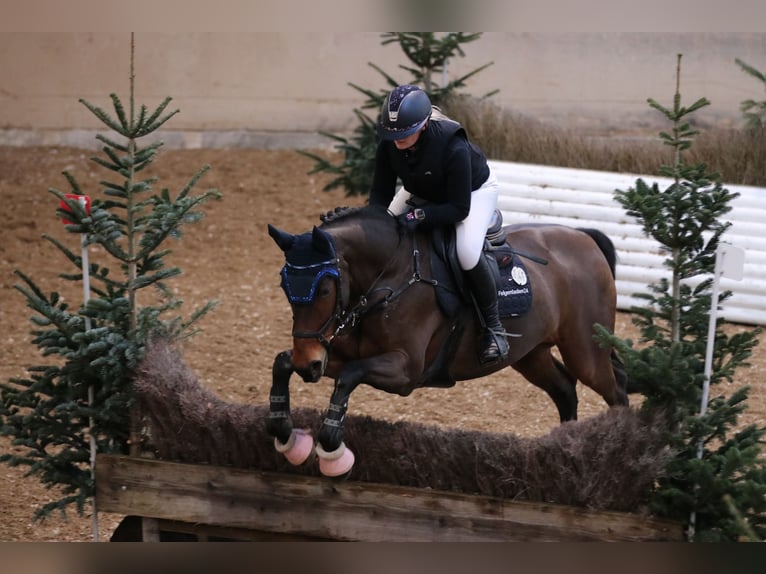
(494, 347)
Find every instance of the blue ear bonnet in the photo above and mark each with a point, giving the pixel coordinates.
(306, 265)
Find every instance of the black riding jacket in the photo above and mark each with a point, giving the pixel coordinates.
(442, 168)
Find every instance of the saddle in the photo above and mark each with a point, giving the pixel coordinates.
(514, 291)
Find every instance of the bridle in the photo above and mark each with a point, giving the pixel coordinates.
(348, 318)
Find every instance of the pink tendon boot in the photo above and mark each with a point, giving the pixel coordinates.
(335, 463)
(298, 446)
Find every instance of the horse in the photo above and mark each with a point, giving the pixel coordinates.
(372, 303)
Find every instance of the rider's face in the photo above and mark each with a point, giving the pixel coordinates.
(409, 141)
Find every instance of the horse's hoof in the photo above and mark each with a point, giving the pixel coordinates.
(297, 448)
(335, 463)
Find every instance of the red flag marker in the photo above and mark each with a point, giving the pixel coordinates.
(83, 199)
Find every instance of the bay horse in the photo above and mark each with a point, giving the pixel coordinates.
(365, 297)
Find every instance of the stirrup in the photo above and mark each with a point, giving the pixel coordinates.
(497, 346)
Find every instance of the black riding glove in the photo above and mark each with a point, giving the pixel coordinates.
(411, 219)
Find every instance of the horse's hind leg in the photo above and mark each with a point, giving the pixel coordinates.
(621, 375)
(598, 368)
(542, 369)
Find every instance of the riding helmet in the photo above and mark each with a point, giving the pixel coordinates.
(405, 110)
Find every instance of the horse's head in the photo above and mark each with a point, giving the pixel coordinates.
(328, 276)
(310, 279)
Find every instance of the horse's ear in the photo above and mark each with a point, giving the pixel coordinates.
(322, 241)
(282, 238)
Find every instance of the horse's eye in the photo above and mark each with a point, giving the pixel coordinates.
(324, 290)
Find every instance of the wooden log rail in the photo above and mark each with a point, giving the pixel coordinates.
(259, 505)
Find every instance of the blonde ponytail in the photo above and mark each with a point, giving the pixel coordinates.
(438, 115)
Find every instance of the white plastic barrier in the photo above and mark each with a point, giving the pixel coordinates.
(584, 198)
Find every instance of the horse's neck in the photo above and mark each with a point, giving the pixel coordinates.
(371, 256)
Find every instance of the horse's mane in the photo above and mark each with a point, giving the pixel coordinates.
(367, 227)
(342, 213)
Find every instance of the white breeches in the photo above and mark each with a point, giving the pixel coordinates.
(470, 232)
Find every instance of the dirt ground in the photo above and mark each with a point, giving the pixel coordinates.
(230, 257)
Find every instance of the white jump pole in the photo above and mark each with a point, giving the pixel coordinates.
(729, 262)
(85, 203)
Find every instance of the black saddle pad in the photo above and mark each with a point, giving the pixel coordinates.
(514, 291)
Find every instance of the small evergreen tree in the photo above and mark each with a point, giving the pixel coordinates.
(85, 393)
(754, 112)
(728, 473)
(429, 55)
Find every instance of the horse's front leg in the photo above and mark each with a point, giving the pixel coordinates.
(335, 458)
(385, 372)
(295, 444)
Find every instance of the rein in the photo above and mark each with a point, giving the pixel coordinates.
(348, 318)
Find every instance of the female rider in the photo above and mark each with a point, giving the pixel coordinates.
(436, 163)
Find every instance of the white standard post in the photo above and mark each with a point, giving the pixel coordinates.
(729, 262)
(86, 298)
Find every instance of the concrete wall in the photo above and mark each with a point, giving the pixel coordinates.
(286, 82)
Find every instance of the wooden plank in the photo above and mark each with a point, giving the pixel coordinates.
(337, 510)
(208, 533)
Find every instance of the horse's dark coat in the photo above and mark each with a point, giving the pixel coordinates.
(378, 322)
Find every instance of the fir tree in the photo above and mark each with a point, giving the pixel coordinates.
(753, 111)
(428, 55)
(716, 482)
(85, 393)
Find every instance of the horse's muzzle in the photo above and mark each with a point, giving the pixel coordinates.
(313, 370)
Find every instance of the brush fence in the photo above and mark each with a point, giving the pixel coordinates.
(583, 198)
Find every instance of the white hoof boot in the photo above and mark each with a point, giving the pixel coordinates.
(297, 448)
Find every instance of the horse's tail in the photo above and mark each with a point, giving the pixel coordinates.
(607, 248)
(605, 245)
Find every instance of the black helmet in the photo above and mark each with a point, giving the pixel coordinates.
(404, 112)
